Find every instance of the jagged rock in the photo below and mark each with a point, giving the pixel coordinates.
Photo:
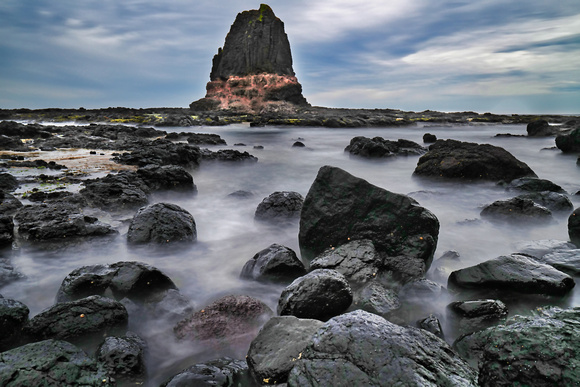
(378, 147)
(9, 204)
(167, 177)
(476, 315)
(280, 207)
(538, 350)
(513, 273)
(162, 223)
(230, 155)
(162, 152)
(51, 363)
(320, 294)
(58, 221)
(574, 227)
(470, 161)
(274, 263)
(6, 230)
(205, 139)
(518, 210)
(82, 322)
(124, 191)
(279, 344)
(363, 349)
(124, 358)
(223, 372)
(13, 316)
(340, 208)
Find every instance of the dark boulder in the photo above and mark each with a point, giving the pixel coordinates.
(532, 184)
(229, 155)
(363, 349)
(82, 322)
(574, 227)
(429, 138)
(232, 320)
(9, 204)
(540, 128)
(378, 147)
(6, 230)
(431, 324)
(298, 144)
(444, 265)
(162, 152)
(340, 208)
(162, 223)
(278, 346)
(275, 263)
(553, 201)
(204, 139)
(51, 363)
(569, 142)
(464, 160)
(7, 272)
(58, 221)
(136, 281)
(320, 294)
(537, 350)
(280, 207)
(8, 183)
(167, 177)
(124, 191)
(13, 316)
(124, 358)
(512, 273)
(517, 210)
(376, 298)
(223, 372)
(476, 315)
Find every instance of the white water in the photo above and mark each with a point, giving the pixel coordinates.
(228, 235)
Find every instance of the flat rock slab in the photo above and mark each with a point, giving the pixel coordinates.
(516, 273)
(363, 349)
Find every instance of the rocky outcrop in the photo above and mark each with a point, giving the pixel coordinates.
(253, 71)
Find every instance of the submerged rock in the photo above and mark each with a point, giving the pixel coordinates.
(378, 147)
(162, 223)
(275, 263)
(533, 184)
(340, 208)
(518, 209)
(223, 372)
(471, 161)
(167, 177)
(363, 349)
(281, 207)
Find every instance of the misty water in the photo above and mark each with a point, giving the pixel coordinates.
(228, 236)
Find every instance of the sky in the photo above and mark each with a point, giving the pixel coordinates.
(499, 56)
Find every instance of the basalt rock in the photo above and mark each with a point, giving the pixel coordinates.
(167, 177)
(280, 207)
(6, 230)
(540, 128)
(378, 147)
(569, 142)
(162, 223)
(574, 227)
(9, 204)
(275, 263)
(533, 184)
(222, 372)
(253, 71)
(517, 210)
(124, 191)
(13, 316)
(124, 358)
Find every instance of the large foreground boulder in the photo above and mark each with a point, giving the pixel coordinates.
(471, 161)
(537, 350)
(340, 208)
(514, 273)
(363, 349)
(51, 363)
(162, 223)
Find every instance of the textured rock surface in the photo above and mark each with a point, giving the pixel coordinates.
(378, 147)
(376, 298)
(471, 161)
(123, 191)
(167, 177)
(6, 230)
(284, 206)
(574, 227)
(320, 294)
(515, 273)
(275, 263)
(223, 372)
(13, 316)
(556, 202)
(518, 210)
(278, 346)
(363, 349)
(340, 207)
(124, 358)
(476, 315)
(51, 363)
(162, 223)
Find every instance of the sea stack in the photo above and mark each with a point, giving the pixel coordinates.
(253, 72)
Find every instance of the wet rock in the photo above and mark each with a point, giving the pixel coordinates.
(363, 349)
(7, 272)
(574, 227)
(538, 350)
(281, 207)
(540, 128)
(230, 155)
(58, 221)
(13, 316)
(167, 177)
(8, 183)
(278, 346)
(561, 255)
(9, 204)
(6, 230)
(378, 147)
(230, 320)
(51, 363)
(429, 138)
(136, 281)
(569, 142)
(82, 322)
(340, 208)
(376, 298)
(124, 358)
(241, 194)
(463, 160)
(357, 260)
(431, 324)
(162, 223)
(518, 210)
(275, 263)
(123, 191)
(162, 152)
(223, 372)
(514, 273)
(320, 294)
(472, 316)
(553, 201)
(533, 184)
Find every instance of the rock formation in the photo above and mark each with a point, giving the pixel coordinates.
(253, 72)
